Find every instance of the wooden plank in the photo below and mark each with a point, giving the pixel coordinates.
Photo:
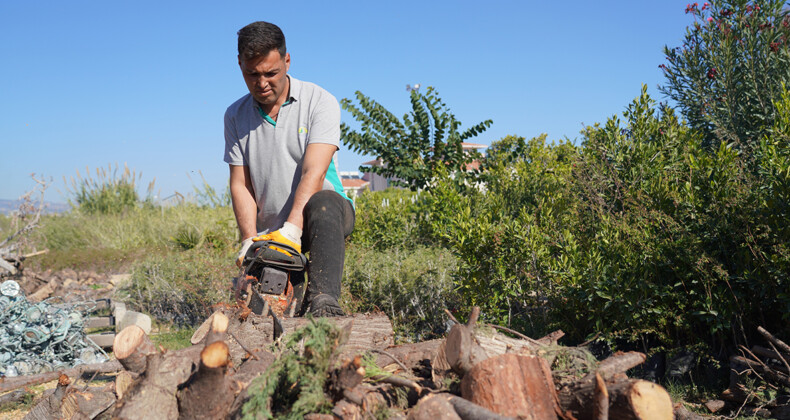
(103, 340)
(99, 322)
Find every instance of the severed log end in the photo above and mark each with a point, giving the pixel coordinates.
(218, 329)
(628, 399)
(215, 355)
(131, 347)
(643, 400)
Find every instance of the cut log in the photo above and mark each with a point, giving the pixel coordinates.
(433, 407)
(148, 400)
(49, 407)
(131, 347)
(367, 331)
(629, 399)
(9, 384)
(123, 381)
(209, 393)
(88, 403)
(154, 394)
(512, 385)
(219, 328)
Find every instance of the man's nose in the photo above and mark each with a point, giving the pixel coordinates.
(261, 82)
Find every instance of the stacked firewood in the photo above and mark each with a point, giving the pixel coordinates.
(475, 372)
(759, 379)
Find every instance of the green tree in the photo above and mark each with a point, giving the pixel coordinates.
(730, 69)
(425, 145)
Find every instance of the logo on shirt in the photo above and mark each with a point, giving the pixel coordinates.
(302, 130)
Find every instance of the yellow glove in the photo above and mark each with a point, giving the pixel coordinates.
(289, 235)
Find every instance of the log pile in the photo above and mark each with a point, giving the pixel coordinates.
(759, 379)
(475, 372)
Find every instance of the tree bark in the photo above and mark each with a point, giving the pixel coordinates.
(462, 350)
(209, 393)
(131, 347)
(154, 394)
(600, 399)
(512, 385)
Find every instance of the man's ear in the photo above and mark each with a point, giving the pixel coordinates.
(287, 61)
(239, 57)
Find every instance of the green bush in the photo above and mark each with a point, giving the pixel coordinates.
(643, 232)
(412, 286)
(107, 193)
(387, 219)
(730, 69)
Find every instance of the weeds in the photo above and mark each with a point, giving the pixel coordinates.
(109, 192)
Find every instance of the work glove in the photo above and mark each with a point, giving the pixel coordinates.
(245, 245)
(289, 235)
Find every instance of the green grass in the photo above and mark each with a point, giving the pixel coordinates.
(175, 339)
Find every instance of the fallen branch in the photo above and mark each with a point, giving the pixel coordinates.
(10, 384)
(783, 347)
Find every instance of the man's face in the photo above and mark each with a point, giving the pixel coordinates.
(265, 76)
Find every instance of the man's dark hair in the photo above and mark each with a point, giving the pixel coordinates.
(259, 38)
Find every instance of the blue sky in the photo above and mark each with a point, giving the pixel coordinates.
(146, 83)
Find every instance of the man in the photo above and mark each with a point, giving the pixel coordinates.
(280, 143)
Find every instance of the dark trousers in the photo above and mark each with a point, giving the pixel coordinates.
(328, 220)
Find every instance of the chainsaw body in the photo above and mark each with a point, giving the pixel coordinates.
(272, 279)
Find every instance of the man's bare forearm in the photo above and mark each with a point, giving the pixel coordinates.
(311, 183)
(245, 207)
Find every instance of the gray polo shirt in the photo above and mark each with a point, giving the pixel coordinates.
(273, 151)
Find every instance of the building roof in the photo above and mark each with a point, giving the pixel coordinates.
(466, 145)
(354, 183)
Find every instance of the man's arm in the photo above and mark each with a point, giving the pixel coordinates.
(243, 197)
(317, 158)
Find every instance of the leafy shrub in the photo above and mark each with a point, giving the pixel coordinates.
(108, 193)
(412, 286)
(387, 219)
(643, 232)
(730, 69)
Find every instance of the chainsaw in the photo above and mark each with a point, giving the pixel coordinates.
(271, 281)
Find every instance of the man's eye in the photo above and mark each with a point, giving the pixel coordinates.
(270, 74)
